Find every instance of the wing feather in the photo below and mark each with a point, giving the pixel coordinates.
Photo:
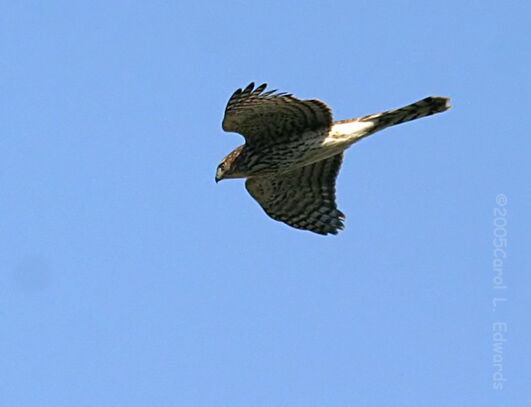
(270, 117)
(304, 198)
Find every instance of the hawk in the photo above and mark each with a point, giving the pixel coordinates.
(293, 151)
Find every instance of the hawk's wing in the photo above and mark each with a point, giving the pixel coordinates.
(304, 198)
(267, 117)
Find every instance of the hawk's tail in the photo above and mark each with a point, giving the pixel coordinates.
(422, 108)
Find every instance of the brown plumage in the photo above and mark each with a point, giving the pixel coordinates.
(293, 152)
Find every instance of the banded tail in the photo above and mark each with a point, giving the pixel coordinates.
(422, 108)
(362, 127)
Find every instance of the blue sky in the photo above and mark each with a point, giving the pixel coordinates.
(128, 277)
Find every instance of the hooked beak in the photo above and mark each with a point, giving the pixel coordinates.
(219, 175)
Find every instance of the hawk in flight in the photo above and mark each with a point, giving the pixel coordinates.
(293, 151)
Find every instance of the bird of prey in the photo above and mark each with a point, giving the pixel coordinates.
(293, 151)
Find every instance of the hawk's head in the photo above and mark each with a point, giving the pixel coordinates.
(229, 168)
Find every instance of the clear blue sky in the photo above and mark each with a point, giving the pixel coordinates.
(129, 278)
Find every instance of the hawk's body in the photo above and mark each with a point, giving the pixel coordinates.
(294, 149)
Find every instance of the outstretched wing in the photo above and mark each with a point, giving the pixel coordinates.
(269, 117)
(304, 198)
